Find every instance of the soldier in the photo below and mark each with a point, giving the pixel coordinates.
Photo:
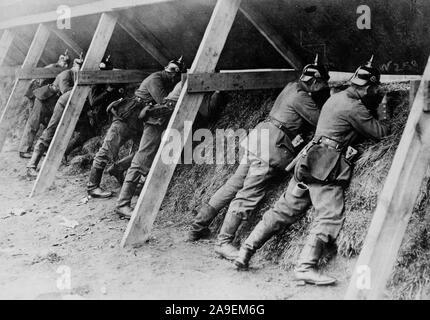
(63, 84)
(156, 119)
(126, 124)
(94, 116)
(294, 113)
(322, 171)
(45, 99)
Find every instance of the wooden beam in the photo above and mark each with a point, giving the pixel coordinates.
(7, 118)
(78, 11)
(414, 85)
(145, 39)
(338, 76)
(8, 71)
(67, 40)
(5, 43)
(74, 106)
(395, 204)
(274, 38)
(209, 82)
(23, 47)
(112, 76)
(159, 177)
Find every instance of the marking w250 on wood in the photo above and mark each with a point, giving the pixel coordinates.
(400, 67)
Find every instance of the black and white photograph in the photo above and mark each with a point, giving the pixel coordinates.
(215, 154)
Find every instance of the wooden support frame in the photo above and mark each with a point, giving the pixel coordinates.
(34, 53)
(273, 37)
(186, 109)
(395, 204)
(145, 39)
(78, 11)
(67, 40)
(22, 47)
(5, 44)
(74, 105)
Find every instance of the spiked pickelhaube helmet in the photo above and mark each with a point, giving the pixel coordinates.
(64, 57)
(314, 71)
(366, 75)
(176, 65)
(80, 60)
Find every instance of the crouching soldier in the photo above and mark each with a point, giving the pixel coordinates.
(294, 113)
(64, 86)
(126, 124)
(94, 116)
(322, 171)
(45, 98)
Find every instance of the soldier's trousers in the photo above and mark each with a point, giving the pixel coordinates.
(244, 189)
(41, 111)
(142, 160)
(328, 202)
(118, 134)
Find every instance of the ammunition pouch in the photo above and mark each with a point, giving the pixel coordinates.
(124, 108)
(324, 162)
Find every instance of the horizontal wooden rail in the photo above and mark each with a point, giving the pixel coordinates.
(112, 76)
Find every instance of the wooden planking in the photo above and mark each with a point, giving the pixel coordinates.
(145, 39)
(113, 76)
(395, 203)
(6, 41)
(22, 48)
(72, 44)
(78, 11)
(34, 53)
(209, 82)
(414, 85)
(159, 177)
(274, 38)
(74, 106)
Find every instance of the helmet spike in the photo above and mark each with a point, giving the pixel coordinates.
(316, 60)
(369, 63)
(66, 52)
(108, 57)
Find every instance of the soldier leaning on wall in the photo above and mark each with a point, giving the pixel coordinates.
(45, 96)
(323, 171)
(94, 116)
(63, 85)
(126, 124)
(294, 114)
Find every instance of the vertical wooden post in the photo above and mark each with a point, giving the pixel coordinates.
(395, 204)
(5, 44)
(34, 53)
(74, 106)
(186, 109)
(67, 40)
(414, 85)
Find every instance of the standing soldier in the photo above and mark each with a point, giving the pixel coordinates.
(42, 108)
(94, 116)
(155, 119)
(62, 85)
(295, 112)
(126, 124)
(322, 171)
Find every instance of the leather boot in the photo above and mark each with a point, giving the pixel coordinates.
(306, 267)
(200, 225)
(118, 169)
(123, 207)
(226, 236)
(261, 233)
(93, 186)
(34, 160)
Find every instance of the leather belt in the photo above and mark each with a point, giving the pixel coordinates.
(330, 143)
(280, 125)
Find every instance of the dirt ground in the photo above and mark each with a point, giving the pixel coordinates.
(38, 252)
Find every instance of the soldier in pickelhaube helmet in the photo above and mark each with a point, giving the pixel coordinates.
(127, 125)
(294, 116)
(322, 172)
